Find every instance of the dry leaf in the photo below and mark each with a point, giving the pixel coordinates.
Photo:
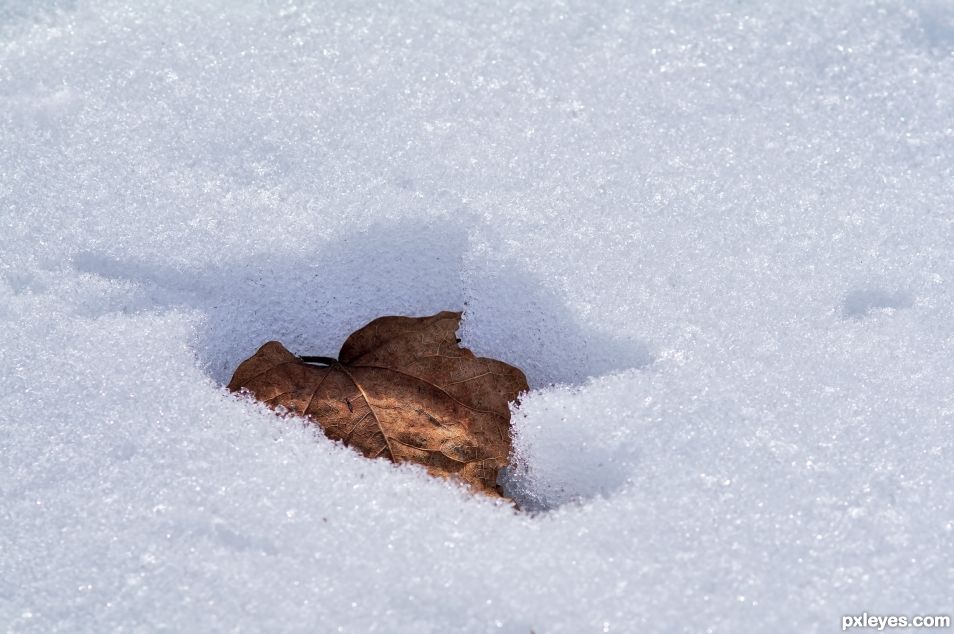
(402, 389)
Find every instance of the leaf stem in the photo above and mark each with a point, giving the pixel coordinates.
(321, 360)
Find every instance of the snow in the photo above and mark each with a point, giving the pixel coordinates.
(716, 236)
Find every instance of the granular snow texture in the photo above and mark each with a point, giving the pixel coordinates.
(717, 236)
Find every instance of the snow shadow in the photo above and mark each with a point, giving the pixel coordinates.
(312, 303)
(555, 472)
(860, 303)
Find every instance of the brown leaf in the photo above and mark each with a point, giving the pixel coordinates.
(402, 389)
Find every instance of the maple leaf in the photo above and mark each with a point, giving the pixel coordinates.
(402, 389)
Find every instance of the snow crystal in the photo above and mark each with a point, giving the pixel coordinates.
(716, 236)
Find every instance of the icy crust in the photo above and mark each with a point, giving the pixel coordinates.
(717, 238)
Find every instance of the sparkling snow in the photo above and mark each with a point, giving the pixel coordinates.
(719, 237)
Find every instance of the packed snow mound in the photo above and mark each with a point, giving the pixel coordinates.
(717, 237)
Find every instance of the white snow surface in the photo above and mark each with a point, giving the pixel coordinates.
(718, 237)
